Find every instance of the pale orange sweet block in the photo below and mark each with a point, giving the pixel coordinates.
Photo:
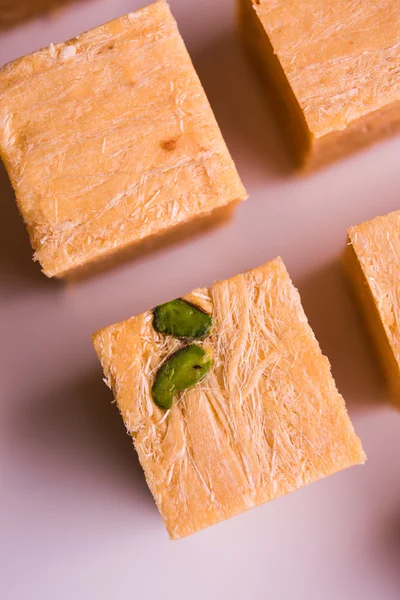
(110, 142)
(372, 264)
(265, 421)
(332, 71)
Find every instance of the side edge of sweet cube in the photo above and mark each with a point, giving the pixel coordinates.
(276, 86)
(367, 304)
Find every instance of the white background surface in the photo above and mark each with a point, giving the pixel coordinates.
(76, 519)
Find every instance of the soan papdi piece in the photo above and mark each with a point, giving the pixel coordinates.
(331, 68)
(372, 264)
(253, 411)
(110, 143)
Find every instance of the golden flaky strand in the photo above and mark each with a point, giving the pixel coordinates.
(372, 264)
(110, 142)
(265, 421)
(332, 71)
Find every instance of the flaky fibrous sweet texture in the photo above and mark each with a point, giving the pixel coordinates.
(372, 264)
(265, 421)
(109, 141)
(332, 70)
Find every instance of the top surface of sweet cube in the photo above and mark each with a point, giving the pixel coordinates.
(377, 246)
(109, 139)
(342, 59)
(266, 420)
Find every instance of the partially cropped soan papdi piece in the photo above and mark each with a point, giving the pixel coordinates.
(110, 143)
(265, 420)
(373, 266)
(332, 71)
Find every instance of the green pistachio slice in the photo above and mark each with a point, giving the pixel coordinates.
(181, 371)
(182, 320)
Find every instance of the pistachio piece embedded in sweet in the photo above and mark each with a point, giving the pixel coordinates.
(182, 320)
(181, 371)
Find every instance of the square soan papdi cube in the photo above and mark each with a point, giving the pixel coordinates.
(228, 398)
(331, 68)
(110, 143)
